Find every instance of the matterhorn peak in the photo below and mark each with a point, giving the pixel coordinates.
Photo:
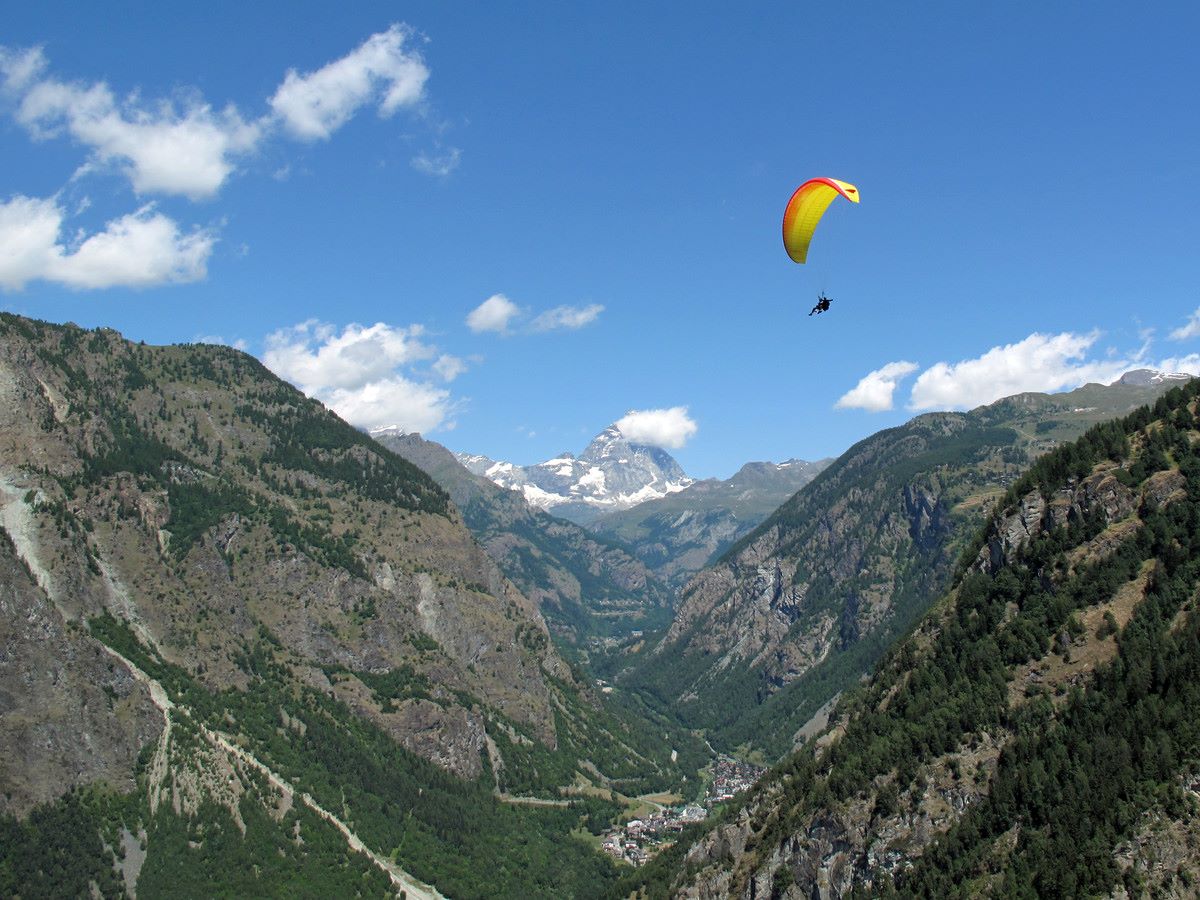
(611, 473)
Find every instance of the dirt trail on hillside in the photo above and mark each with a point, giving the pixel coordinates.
(413, 889)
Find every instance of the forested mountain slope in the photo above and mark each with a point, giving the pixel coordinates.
(229, 618)
(1038, 734)
(803, 606)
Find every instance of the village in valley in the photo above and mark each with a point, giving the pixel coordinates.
(639, 839)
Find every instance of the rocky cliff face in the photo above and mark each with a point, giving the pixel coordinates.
(839, 567)
(69, 715)
(584, 586)
(189, 493)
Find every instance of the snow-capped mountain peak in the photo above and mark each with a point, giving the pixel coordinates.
(388, 431)
(611, 473)
(1148, 377)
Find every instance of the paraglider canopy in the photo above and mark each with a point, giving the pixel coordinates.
(805, 209)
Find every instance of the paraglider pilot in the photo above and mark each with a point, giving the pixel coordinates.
(822, 304)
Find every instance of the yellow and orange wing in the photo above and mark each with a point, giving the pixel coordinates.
(805, 209)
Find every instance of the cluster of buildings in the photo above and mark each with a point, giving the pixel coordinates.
(730, 778)
(639, 839)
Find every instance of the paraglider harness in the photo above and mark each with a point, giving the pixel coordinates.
(822, 304)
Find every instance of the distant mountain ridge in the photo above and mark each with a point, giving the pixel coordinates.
(611, 473)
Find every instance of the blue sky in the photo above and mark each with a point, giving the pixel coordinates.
(508, 225)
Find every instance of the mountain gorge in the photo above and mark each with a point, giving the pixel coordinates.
(797, 610)
(679, 534)
(584, 585)
(246, 649)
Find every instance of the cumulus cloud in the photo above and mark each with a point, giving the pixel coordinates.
(498, 313)
(493, 314)
(187, 147)
(1040, 362)
(315, 357)
(669, 428)
(141, 249)
(160, 148)
(1189, 364)
(875, 390)
(1189, 329)
(357, 373)
(395, 400)
(568, 317)
(382, 71)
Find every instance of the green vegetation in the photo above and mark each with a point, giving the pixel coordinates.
(336, 550)
(59, 849)
(197, 506)
(1074, 780)
(401, 683)
(629, 744)
(1079, 781)
(131, 449)
(69, 847)
(445, 831)
(206, 854)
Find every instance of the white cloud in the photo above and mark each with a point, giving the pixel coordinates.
(394, 401)
(381, 71)
(875, 390)
(159, 148)
(497, 313)
(20, 68)
(566, 317)
(438, 164)
(141, 249)
(357, 373)
(1189, 329)
(314, 357)
(493, 314)
(189, 148)
(1040, 362)
(1180, 364)
(670, 428)
(449, 367)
